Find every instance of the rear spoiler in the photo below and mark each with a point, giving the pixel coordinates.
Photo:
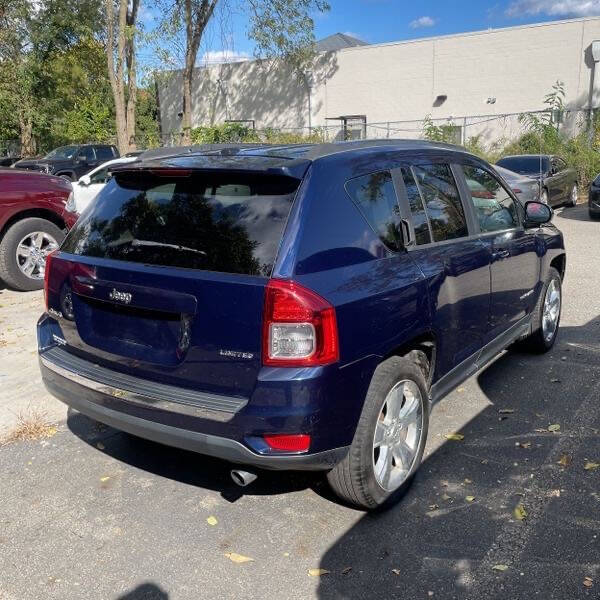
(268, 165)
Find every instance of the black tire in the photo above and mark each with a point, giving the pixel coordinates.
(67, 176)
(536, 342)
(9, 270)
(354, 479)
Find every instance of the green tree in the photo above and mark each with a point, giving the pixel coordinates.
(281, 29)
(49, 52)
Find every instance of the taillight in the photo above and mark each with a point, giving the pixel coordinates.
(295, 442)
(517, 190)
(299, 327)
(47, 268)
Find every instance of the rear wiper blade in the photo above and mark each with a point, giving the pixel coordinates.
(136, 242)
(149, 243)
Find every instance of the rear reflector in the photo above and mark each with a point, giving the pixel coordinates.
(297, 442)
(299, 327)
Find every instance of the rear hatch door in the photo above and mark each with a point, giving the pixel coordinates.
(163, 276)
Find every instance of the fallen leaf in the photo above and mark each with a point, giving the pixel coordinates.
(520, 512)
(286, 553)
(555, 380)
(500, 567)
(588, 582)
(238, 558)
(524, 444)
(564, 460)
(346, 570)
(433, 506)
(460, 389)
(396, 572)
(554, 427)
(506, 411)
(468, 481)
(457, 437)
(554, 494)
(470, 498)
(446, 497)
(212, 520)
(591, 466)
(318, 572)
(103, 479)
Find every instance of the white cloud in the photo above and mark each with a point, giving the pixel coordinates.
(224, 56)
(554, 8)
(422, 22)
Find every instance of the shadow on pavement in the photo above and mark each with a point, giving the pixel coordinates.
(457, 522)
(146, 591)
(187, 467)
(576, 213)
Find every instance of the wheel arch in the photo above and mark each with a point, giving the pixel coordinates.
(427, 344)
(39, 213)
(71, 174)
(560, 264)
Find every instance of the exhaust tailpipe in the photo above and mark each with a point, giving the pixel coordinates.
(242, 478)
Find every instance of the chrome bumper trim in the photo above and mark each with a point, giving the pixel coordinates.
(139, 391)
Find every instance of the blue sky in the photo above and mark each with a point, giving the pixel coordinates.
(377, 21)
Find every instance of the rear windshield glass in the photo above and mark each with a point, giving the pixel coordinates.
(223, 222)
(526, 165)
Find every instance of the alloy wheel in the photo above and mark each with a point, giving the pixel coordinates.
(32, 251)
(398, 435)
(574, 196)
(551, 311)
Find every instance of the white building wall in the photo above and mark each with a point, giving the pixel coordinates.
(400, 81)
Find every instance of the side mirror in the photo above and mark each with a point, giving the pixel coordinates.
(537, 213)
(85, 180)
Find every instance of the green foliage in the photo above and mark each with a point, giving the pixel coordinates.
(222, 134)
(446, 133)
(236, 133)
(284, 29)
(146, 118)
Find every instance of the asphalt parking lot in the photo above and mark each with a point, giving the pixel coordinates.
(93, 513)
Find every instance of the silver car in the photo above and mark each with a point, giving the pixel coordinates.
(525, 188)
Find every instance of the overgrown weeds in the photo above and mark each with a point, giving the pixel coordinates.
(31, 425)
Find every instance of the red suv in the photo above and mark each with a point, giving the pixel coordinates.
(35, 212)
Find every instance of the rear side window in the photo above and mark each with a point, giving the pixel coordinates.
(104, 152)
(417, 210)
(375, 197)
(224, 222)
(442, 201)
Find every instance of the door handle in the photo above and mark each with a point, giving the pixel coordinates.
(500, 254)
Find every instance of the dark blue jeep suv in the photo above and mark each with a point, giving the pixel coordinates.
(297, 307)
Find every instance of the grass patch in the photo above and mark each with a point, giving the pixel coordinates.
(31, 426)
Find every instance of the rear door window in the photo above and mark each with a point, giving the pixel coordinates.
(375, 197)
(442, 201)
(87, 153)
(219, 222)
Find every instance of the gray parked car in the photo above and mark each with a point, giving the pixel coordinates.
(525, 188)
(558, 181)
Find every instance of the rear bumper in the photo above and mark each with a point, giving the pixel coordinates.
(104, 403)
